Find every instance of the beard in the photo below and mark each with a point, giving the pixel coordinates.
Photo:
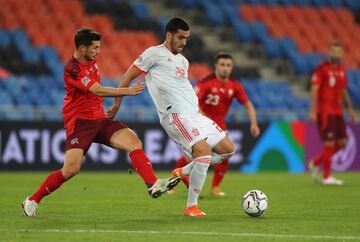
(90, 58)
(174, 47)
(335, 60)
(224, 75)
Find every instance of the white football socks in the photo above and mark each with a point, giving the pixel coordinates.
(186, 170)
(197, 178)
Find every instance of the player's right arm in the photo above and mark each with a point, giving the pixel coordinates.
(142, 64)
(102, 91)
(131, 74)
(77, 78)
(315, 85)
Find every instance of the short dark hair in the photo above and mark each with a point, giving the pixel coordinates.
(85, 36)
(175, 24)
(223, 55)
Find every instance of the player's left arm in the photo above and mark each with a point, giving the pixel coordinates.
(348, 104)
(251, 113)
(242, 98)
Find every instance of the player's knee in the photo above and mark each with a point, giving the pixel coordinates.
(136, 144)
(201, 150)
(70, 171)
(228, 155)
(230, 151)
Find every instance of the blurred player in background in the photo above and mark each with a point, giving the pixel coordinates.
(86, 122)
(215, 93)
(166, 75)
(328, 91)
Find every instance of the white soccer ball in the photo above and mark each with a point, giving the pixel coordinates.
(255, 203)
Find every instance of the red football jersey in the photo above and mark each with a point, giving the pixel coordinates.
(215, 97)
(331, 80)
(79, 103)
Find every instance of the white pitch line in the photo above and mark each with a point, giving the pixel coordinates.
(264, 235)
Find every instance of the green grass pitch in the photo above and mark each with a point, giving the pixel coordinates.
(115, 207)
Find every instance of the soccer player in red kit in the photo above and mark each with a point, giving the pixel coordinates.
(328, 91)
(86, 122)
(215, 93)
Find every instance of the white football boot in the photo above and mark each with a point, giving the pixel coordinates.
(163, 185)
(332, 181)
(29, 207)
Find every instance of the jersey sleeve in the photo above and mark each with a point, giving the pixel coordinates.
(316, 77)
(78, 79)
(200, 90)
(241, 95)
(146, 60)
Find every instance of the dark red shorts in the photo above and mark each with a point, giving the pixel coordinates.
(331, 127)
(89, 131)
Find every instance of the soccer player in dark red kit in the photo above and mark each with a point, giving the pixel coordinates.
(328, 91)
(215, 93)
(86, 122)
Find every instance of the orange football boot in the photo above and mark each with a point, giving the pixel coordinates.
(194, 211)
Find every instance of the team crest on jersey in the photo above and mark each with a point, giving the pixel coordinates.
(140, 59)
(85, 80)
(231, 92)
(195, 132)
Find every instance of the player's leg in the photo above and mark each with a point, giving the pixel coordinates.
(340, 141)
(221, 153)
(323, 129)
(76, 146)
(220, 170)
(125, 139)
(182, 162)
(72, 165)
(332, 135)
(202, 158)
(118, 136)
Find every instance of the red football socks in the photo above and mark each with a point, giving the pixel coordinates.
(143, 167)
(51, 183)
(325, 157)
(181, 162)
(219, 172)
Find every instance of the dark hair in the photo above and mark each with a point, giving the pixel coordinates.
(222, 55)
(175, 24)
(85, 36)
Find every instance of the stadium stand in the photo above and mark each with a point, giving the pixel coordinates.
(36, 38)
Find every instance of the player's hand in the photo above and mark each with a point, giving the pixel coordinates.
(255, 130)
(312, 116)
(352, 115)
(136, 89)
(112, 111)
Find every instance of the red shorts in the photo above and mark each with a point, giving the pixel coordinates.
(89, 131)
(331, 127)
